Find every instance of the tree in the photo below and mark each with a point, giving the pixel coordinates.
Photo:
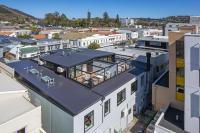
(106, 18)
(56, 36)
(117, 21)
(24, 36)
(94, 46)
(88, 18)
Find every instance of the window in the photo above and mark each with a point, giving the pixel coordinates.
(133, 87)
(129, 111)
(122, 114)
(107, 107)
(142, 81)
(157, 68)
(89, 121)
(121, 96)
(20, 131)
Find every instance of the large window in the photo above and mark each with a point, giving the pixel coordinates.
(89, 121)
(107, 107)
(121, 96)
(142, 81)
(134, 87)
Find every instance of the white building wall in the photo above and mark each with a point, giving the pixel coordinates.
(113, 121)
(54, 120)
(192, 90)
(30, 120)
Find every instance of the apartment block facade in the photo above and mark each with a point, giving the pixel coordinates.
(192, 86)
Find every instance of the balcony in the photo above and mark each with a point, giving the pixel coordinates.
(180, 80)
(179, 63)
(180, 96)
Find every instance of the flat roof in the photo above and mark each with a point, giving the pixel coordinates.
(77, 35)
(169, 120)
(69, 58)
(69, 95)
(164, 80)
(154, 38)
(9, 85)
(132, 51)
(13, 105)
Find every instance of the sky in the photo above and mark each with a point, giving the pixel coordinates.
(125, 8)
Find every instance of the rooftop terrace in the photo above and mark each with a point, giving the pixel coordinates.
(87, 67)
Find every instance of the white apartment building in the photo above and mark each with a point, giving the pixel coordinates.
(99, 39)
(62, 86)
(129, 34)
(192, 87)
(127, 21)
(47, 45)
(18, 115)
(195, 20)
(176, 26)
(149, 32)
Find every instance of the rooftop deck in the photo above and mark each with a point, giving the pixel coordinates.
(87, 67)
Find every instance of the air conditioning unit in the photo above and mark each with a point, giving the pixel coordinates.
(60, 69)
(40, 62)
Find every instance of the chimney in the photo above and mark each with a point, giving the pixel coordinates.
(148, 56)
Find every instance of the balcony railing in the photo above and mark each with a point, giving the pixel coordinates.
(180, 80)
(179, 62)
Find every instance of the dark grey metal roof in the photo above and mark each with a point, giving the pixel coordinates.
(111, 85)
(169, 121)
(67, 94)
(68, 58)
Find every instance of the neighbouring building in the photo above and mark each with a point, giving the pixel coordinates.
(195, 20)
(158, 61)
(83, 40)
(129, 34)
(18, 115)
(192, 87)
(49, 33)
(178, 98)
(14, 32)
(127, 21)
(46, 45)
(149, 32)
(83, 90)
(176, 27)
(20, 51)
(154, 42)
